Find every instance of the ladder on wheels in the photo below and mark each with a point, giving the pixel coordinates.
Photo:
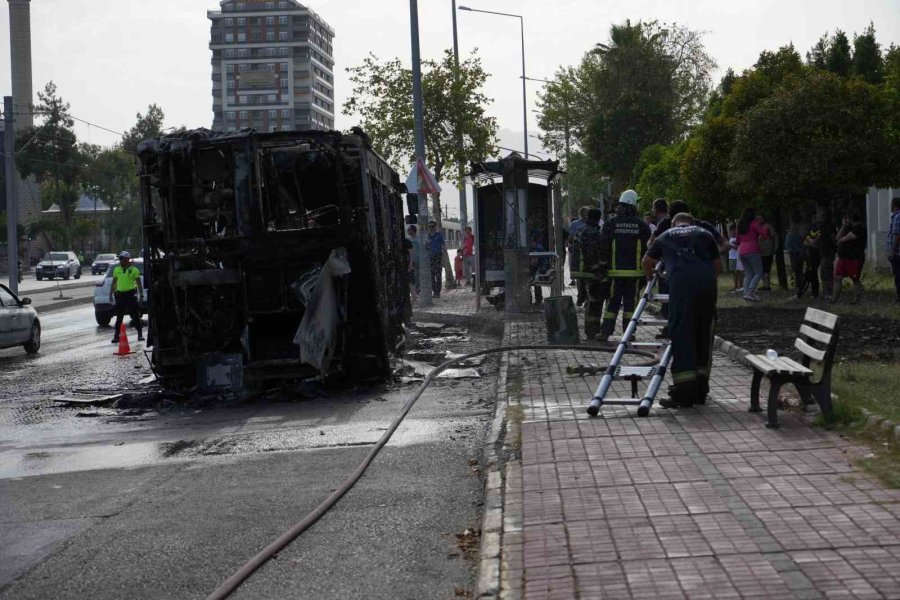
(616, 372)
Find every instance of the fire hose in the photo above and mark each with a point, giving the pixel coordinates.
(243, 573)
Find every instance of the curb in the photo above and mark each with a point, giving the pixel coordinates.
(732, 351)
(487, 580)
(48, 308)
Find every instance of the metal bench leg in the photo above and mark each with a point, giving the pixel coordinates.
(823, 397)
(772, 404)
(754, 392)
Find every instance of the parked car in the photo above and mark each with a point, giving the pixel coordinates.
(102, 262)
(58, 264)
(104, 311)
(19, 323)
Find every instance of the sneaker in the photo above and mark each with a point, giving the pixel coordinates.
(140, 337)
(115, 340)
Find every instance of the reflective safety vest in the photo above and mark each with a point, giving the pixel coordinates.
(126, 279)
(623, 244)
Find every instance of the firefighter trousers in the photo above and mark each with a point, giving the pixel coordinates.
(597, 292)
(623, 294)
(692, 313)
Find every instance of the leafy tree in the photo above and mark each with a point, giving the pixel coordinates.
(148, 126)
(658, 173)
(49, 150)
(816, 57)
(454, 102)
(4, 234)
(867, 60)
(704, 170)
(649, 86)
(838, 56)
(819, 138)
(585, 181)
(563, 103)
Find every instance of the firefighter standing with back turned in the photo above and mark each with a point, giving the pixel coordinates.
(623, 243)
(692, 261)
(585, 261)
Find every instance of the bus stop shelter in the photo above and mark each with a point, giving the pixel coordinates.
(517, 206)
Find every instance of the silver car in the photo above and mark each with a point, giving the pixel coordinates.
(19, 323)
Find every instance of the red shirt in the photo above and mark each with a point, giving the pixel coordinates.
(468, 246)
(458, 264)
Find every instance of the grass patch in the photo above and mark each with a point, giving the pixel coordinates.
(879, 299)
(869, 385)
(884, 465)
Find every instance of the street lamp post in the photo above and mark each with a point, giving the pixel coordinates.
(524, 78)
(419, 124)
(463, 200)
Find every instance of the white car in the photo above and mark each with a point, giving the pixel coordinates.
(58, 264)
(104, 311)
(19, 324)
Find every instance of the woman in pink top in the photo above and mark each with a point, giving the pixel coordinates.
(750, 229)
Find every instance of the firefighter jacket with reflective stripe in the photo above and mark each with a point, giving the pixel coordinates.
(623, 244)
(585, 258)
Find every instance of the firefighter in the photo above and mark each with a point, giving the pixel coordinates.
(693, 263)
(623, 243)
(585, 261)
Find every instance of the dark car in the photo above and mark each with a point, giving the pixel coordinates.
(19, 324)
(102, 262)
(58, 264)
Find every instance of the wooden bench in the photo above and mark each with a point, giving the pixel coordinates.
(820, 329)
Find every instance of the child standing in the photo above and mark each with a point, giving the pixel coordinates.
(458, 266)
(734, 261)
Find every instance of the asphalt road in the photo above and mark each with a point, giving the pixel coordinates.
(99, 503)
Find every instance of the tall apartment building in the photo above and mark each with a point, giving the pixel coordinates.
(272, 66)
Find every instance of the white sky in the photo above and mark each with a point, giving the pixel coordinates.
(111, 58)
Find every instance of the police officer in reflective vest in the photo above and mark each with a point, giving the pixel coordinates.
(126, 288)
(693, 263)
(585, 260)
(623, 243)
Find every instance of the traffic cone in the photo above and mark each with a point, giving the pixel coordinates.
(124, 347)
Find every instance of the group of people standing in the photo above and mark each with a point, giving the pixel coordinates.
(610, 260)
(437, 250)
(820, 252)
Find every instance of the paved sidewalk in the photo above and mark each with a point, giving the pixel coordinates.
(696, 503)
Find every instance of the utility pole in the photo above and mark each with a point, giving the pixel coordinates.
(418, 114)
(463, 195)
(12, 208)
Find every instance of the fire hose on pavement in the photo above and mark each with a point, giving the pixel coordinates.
(242, 574)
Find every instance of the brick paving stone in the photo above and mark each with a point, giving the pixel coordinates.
(834, 576)
(879, 566)
(699, 503)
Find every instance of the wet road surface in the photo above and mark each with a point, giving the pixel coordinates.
(167, 503)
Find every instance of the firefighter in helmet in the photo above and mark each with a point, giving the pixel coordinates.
(623, 243)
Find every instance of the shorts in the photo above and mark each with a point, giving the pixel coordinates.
(848, 267)
(735, 265)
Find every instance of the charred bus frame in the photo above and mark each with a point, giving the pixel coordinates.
(234, 222)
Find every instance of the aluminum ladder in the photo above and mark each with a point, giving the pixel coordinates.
(616, 372)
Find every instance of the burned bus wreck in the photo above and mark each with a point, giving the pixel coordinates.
(280, 253)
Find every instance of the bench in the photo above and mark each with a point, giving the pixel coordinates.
(817, 343)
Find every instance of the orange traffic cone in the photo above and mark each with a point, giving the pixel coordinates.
(124, 347)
